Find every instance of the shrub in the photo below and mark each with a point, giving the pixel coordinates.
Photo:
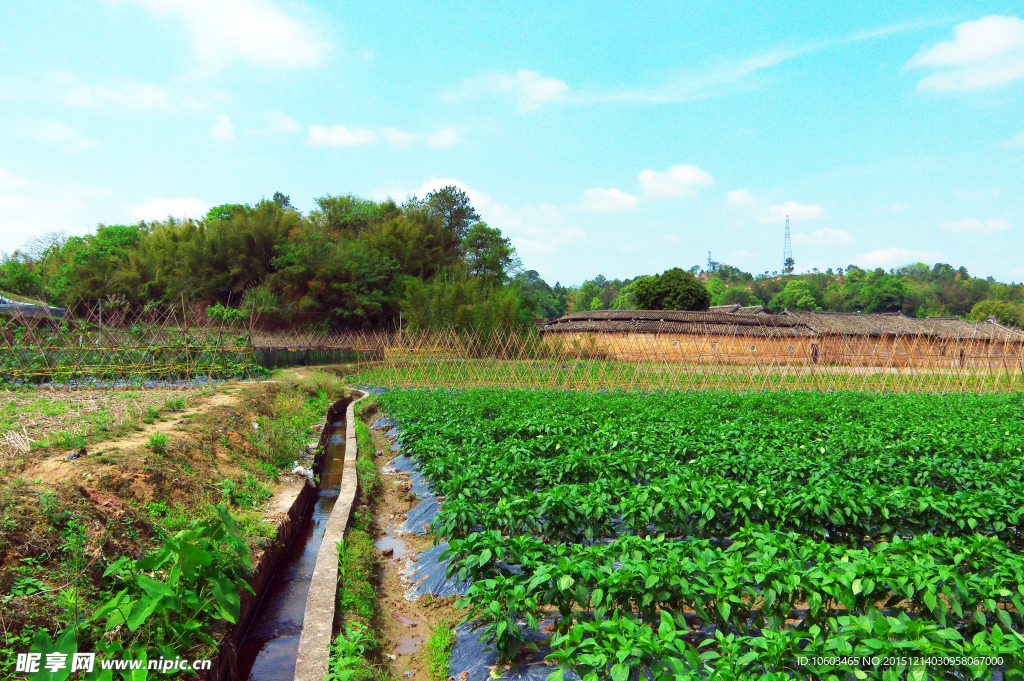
(158, 443)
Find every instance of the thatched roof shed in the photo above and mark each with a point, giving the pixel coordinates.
(678, 321)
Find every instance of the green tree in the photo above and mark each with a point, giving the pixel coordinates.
(885, 294)
(225, 211)
(675, 289)
(489, 254)
(737, 295)
(798, 295)
(1005, 313)
(716, 288)
(456, 211)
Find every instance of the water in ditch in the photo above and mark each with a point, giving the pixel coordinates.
(268, 651)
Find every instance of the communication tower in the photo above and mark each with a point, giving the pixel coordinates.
(787, 253)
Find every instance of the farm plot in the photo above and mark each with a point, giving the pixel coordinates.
(800, 535)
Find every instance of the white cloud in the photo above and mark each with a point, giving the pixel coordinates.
(1015, 141)
(741, 199)
(396, 136)
(972, 226)
(983, 54)
(339, 136)
(894, 257)
(678, 181)
(223, 129)
(795, 211)
(493, 213)
(132, 95)
(282, 122)
(160, 209)
(256, 31)
(444, 138)
(822, 238)
(529, 90)
(602, 200)
(55, 133)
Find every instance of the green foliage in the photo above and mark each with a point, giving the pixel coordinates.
(227, 315)
(167, 600)
(457, 214)
(675, 289)
(877, 522)
(438, 649)
(250, 494)
(348, 654)
(158, 443)
(798, 295)
(489, 254)
(463, 303)
(225, 211)
(1005, 313)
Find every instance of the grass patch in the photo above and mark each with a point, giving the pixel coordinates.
(358, 607)
(439, 649)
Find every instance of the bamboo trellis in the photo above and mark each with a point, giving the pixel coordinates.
(182, 343)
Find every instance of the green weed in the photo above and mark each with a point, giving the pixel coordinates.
(439, 649)
(158, 443)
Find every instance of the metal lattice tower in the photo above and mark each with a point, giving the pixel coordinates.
(787, 253)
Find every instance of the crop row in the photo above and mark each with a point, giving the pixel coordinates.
(952, 588)
(688, 504)
(545, 438)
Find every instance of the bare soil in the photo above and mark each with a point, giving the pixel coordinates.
(406, 625)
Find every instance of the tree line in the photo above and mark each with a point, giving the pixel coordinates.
(916, 290)
(351, 263)
(355, 263)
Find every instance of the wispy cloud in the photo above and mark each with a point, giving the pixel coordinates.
(223, 130)
(532, 91)
(56, 134)
(161, 209)
(1015, 141)
(396, 136)
(894, 257)
(282, 122)
(138, 96)
(339, 136)
(973, 226)
(677, 182)
(445, 137)
(983, 54)
(528, 90)
(254, 31)
(601, 200)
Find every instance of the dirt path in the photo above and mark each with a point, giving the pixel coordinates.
(54, 468)
(406, 625)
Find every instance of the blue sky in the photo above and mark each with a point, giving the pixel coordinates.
(611, 138)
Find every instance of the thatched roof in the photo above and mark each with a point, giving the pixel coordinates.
(735, 320)
(896, 324)
(677, 321)
(858, 324)
(739, 309)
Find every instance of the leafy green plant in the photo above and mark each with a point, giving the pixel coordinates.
(158, 443)
(197, 574)
(348, 654)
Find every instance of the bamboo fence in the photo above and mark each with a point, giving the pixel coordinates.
(117, 346)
